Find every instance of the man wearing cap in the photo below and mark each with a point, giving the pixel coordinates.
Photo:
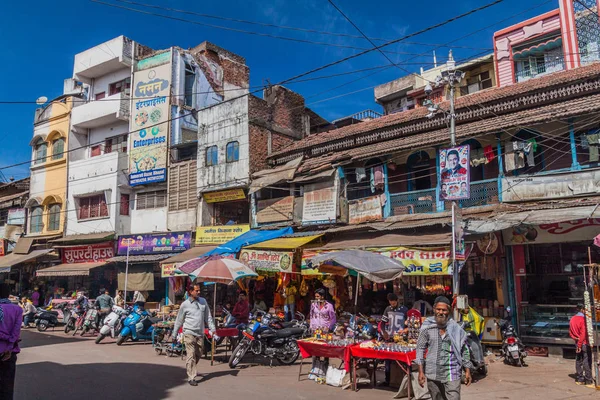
(447, 353)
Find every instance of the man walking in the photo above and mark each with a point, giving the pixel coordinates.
(193, 315)
(447, 353)
(10, 332)
(583, 357)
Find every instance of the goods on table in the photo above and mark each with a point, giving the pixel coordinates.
(400, 347)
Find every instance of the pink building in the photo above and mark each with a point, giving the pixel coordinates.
(565, 38)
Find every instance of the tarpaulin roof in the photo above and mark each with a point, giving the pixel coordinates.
(78, 269)
(284, 243)
(268, 177)
(249, 238)
(373, 266)
(194, 252)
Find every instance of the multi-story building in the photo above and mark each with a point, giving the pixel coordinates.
(13, 196)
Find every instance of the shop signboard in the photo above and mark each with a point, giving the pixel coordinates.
(219, 234)
(416, 261)
(96, 252)
(154, 243)
(275, 210)
(266, 260)
(365, 210)
(552, 186)
(458, 234)
(454, 177)
(224, 195)
(149, 125)
(560, 232)
(16, 216)
(319, 203)
(168, 270)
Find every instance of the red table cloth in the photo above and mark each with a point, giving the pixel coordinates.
(320, 349)
(223, 332)
(363, 352)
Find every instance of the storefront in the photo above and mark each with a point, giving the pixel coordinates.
(229, 207)
(138, 259)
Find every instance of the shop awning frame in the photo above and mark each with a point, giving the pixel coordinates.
(194, 252)
(13, 259)
(284, 243)
(77, 269)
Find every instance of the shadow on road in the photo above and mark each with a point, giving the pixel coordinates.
(97, 381)
(35, 339)
(208, 377)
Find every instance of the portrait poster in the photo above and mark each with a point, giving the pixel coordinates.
(454, 173)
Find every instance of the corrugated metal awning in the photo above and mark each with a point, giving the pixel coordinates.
(268, 177)
(79, 269)
(90, 237)
(288, 243)
(14, 259)
(194, 252)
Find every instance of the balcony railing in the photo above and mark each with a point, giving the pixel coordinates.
(531, 70)
(482, 193)
(416, 202)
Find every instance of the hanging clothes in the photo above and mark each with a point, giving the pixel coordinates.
(379, 176)
(509, 162)
(478, 158)
(584, 142)
(519, 147)
(488, 152)
(534, 144)
(372, 181)
(361, 174)
(528, 150)
(593, 141)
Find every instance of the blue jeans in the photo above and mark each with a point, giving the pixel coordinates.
(28, 318)
(290, 311)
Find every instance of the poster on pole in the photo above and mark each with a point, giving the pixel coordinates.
(458, 234)
(454, 173)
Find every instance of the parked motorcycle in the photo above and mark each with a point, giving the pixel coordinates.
(512, 350)
(137, 325)
(90, 321)
(271, 337)
(475, 350)
(112, 323)
(45, 318)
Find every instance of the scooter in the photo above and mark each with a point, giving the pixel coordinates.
(512, 350)
(45, 318)
(112, 324)
(137, 325)
(90, 321)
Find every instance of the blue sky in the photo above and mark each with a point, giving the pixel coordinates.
(39, 40)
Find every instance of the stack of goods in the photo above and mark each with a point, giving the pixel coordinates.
(414, 326)
(400, 347)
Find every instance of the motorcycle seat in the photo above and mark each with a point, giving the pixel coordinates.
(53, 312)
(288, 324)
(155, 319)
(287, 332)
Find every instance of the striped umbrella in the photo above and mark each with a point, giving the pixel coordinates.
(216, 269)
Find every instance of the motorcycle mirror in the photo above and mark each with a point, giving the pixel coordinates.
(508, 309)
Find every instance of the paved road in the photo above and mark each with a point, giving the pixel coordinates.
(54, 366)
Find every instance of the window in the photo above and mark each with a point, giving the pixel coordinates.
(58, 149)
(212, 155)
(100, 96)
(190, 78)
(96, 151)
(54, 217)
(92, 207)
(233, 151)
(41, 151)
(115, 143)
(3, 217)
(124, 205)
(36, 223)
(119, 87)
(476, 83)
(150, 200)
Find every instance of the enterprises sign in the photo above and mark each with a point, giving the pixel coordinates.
(149, 125)
(154, 243)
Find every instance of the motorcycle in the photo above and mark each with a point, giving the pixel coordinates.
(90, 321)
(475, 350)
(79, 313)
(112, 323)
(512, 350)
(45, 318)
(271, 337)
(137, 325)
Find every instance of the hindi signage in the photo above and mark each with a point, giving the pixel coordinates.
(168, 270)
(154, 243)
(275, 210)
(149, 125)
(268, 260)
(96, 252)
(219, 234)
(319, 203)
(454, 177)
(365, 210)
(224, 195)
(560, 232)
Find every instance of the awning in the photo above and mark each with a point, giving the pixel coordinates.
(387, 240)
(194, 252)
(138, 278)
(538, 48)
(268, 177)
(23, 245)
(14, 259)
(142, 259)
(313, 177)
(289, 243)
(90, 237)
(79, 269)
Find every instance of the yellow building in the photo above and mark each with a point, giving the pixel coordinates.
(48, 190)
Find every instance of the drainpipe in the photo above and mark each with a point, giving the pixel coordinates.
(575, 166)
(387, 207)
(500, 166)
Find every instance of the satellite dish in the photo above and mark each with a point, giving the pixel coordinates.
(41, 100)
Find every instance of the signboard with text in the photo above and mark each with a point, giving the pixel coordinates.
(16, 216)
(89, 253)
(275, 210)
(154, 243)
(219, 234)
(224, 195)
(168, 270)
(454, 176)
(149, 125)
(319, 204)
(365, 210)
(580, 230)
(267, 260)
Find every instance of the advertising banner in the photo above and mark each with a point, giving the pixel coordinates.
(417, 261)
(168, 270)
(275, 210)
(560, 232)
(16, 216)
(319, 204)
(365, 210)
(219, 234)
(224, 195)
(454, 173)
(267, 260)
(90, 253)
(149, 125)
(154, 243)
(458, 234)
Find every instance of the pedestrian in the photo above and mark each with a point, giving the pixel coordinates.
(194, 315)
(119, 300)
(35, 296)
(322, 317)
(394, 316)
(447, 353)
(140, 297)
(10, 332)
(583, 357)
(29, 311)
